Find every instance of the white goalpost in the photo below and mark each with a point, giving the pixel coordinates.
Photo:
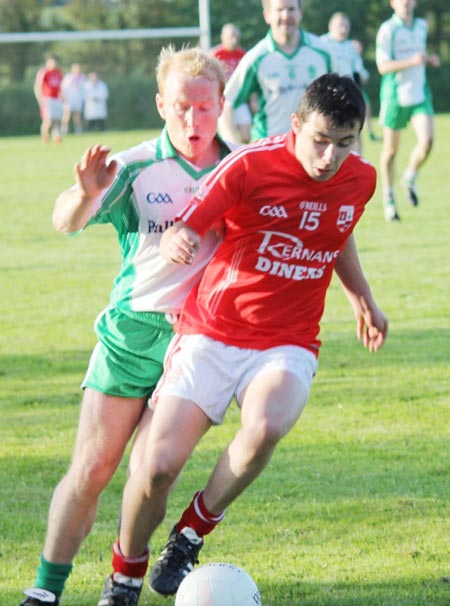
(202, 31)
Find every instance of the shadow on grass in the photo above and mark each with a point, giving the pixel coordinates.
(42, 380)
(403, 592)
(346, 482)
(341, 353)
(404, 348)
(42, 365)
(411, 347)
(354, 482)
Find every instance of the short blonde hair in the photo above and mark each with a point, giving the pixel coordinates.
(191, 61)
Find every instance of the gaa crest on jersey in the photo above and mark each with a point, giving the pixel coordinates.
(276, 212)
(345, 218)
(158, 198)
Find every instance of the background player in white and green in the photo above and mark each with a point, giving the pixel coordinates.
(140, 191)
(277, 70)
(401, 56)
(349, 61)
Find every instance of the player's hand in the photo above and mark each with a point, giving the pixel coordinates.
(418, 59)
(434, 60)
(372, 328)
(181, 245)
(93, 173)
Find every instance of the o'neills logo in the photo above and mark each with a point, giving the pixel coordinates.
(345, 218)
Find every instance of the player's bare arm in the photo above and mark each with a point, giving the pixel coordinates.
(226, 124)
(371, 323)
(179, 244)
(37, 88)
(397, 65)
(93, 174)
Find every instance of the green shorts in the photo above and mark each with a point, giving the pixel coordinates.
(128, 358)
(396, 117)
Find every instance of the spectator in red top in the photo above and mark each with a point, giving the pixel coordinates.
(230, 53)
(47, 90)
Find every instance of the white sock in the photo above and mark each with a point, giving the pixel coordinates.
(409, 175)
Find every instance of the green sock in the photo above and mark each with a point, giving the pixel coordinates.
(52, 577)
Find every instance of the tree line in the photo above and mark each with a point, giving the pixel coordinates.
(135, 57)
(128, 66)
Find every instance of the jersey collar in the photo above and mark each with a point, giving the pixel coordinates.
(398, 21)
(273, 46)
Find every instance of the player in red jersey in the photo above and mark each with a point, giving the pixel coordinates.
(228, 51)
(289, 205)
(47, 90)
(229, 54)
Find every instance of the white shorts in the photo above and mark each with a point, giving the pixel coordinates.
(53, 108)
(74, 106)
(209, 372)
(243, 115)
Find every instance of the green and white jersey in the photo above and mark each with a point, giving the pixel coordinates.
(152, 185)
(279, 80)
(348, 60)
(396, 41)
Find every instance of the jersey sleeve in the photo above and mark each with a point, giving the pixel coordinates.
(219, 193)
(113, 203)
(358, 66)
(384, 44)
(362, 70)
(424, 25)
(243, 81)
(324, 47)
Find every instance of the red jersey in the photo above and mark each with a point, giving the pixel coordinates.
(51, 80)
(266, 284)
(228, 58)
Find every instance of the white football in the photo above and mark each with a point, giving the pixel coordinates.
(218, 584)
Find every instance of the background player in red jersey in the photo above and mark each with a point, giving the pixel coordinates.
(250, 328)
(230, 53)
(47, 90)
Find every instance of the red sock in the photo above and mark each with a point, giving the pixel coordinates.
(129, 567)
(198, 517)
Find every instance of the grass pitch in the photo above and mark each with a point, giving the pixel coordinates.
(354, 508)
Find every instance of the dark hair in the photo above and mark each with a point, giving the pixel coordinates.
(336, 97)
